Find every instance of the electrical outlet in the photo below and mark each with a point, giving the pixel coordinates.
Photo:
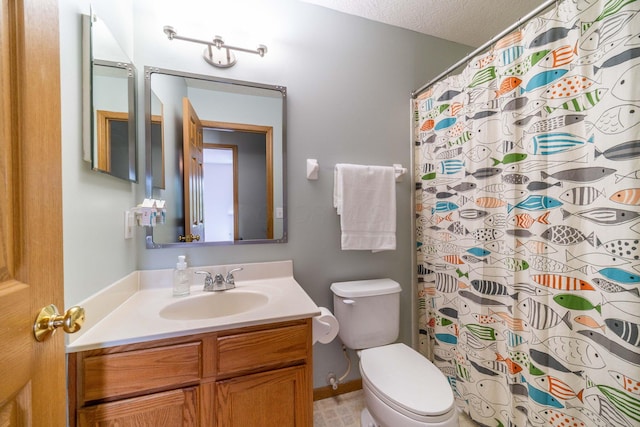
(279, 213)
(128, 224)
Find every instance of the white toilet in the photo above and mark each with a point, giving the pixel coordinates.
(402, 388)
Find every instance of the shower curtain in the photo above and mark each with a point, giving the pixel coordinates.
(527, 172)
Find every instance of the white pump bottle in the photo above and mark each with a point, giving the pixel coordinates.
(181, 278)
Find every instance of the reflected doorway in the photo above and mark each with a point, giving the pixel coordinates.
(221, 205)
(238, 176)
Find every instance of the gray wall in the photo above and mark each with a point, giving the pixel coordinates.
(348, 82)
(95, 252)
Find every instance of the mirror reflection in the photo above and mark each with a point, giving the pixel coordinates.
(222, 158)
(110, 137)
(157, 143)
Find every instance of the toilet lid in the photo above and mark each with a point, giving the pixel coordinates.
(408, 379)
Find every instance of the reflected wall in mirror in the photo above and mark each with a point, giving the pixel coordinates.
(109, 103)
(157, 143)
(223, 157)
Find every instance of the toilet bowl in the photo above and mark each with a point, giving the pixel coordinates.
(401, 387)
(404, 389)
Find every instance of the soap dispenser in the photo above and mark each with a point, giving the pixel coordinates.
(181, 278)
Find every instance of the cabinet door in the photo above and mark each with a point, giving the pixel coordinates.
(279, 398)
(171, 408)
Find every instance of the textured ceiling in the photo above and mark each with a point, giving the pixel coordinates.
(470, 22)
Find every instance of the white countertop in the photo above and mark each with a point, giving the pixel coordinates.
(133, 315)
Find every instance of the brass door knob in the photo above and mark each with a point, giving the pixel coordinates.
(189, 238)
(49, 319)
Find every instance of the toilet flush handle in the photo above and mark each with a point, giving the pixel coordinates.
(348, 301)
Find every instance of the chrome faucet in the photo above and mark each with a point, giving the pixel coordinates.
(218, 282)
(212, 284)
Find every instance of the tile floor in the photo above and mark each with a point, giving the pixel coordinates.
(344, 411)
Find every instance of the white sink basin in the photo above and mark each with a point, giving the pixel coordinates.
(214, 304)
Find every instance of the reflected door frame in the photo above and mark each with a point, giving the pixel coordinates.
(104, 119)
(267, 131)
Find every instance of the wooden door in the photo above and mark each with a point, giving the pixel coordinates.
(192, 171)
(32, 374)
(277, 398)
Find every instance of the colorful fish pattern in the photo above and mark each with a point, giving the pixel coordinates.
(528, 221)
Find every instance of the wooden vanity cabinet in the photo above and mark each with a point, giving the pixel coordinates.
(253, 376)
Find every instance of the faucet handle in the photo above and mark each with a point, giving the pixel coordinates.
(210, 282)
(204, 272)
(230, 280)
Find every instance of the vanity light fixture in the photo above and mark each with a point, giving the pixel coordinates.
(217, 53)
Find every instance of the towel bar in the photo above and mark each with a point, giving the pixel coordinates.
(313, 168)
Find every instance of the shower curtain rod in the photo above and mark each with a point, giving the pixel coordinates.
(528, 16)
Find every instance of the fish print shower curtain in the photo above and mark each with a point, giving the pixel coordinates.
(527, 169)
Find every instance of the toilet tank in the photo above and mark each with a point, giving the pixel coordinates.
(368, 312)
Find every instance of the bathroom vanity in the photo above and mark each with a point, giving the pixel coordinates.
(251, 368)
(238, 377)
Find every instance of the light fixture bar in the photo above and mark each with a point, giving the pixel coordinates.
(216, 57)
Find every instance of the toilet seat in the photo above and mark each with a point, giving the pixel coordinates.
(407, 382)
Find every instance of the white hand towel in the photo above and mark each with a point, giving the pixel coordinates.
(365, 199)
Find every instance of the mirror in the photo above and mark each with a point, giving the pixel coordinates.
(222, 159)
(109, 99)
